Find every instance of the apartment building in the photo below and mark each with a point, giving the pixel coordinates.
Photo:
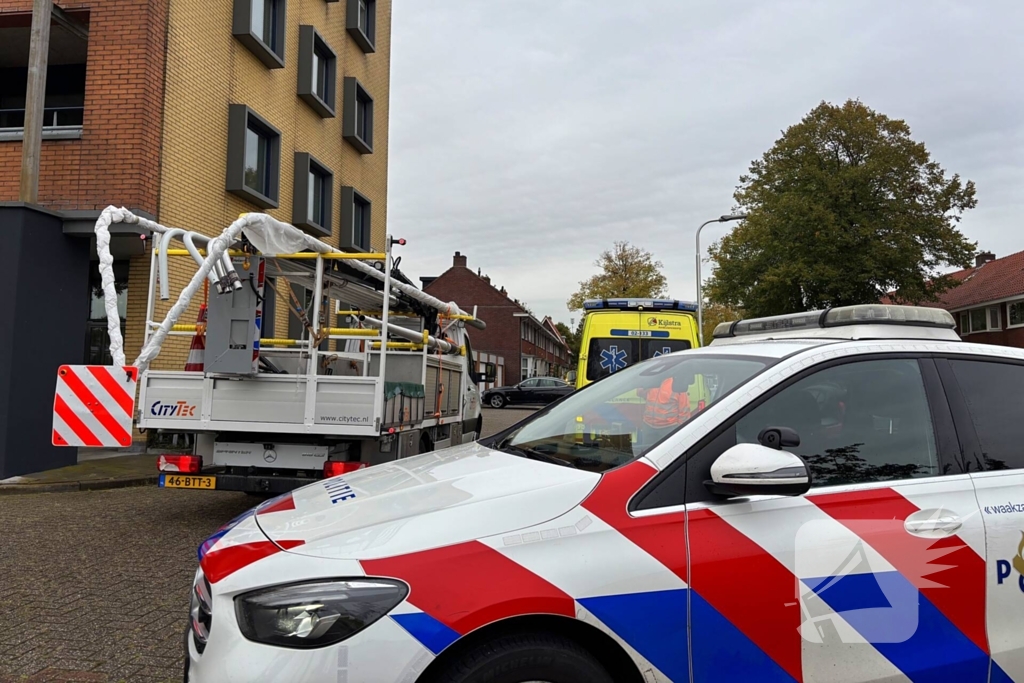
(189, 112)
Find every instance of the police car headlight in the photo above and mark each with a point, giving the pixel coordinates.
(316, 613)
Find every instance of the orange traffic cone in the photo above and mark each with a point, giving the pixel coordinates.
(195, 361)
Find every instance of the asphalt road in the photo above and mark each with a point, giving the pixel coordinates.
(94, 585)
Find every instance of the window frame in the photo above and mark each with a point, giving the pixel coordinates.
(672, 487)
(311, 42)
(239, 118)
(1014, 302)
(306, 163)
(366, 40)
(241, 28)
(968, 329)
(349, 197)
(355, 95)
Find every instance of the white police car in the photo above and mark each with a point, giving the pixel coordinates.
(848, 506)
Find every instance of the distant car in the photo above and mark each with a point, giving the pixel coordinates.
(533, 390)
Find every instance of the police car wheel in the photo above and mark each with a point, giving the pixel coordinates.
(497, 401)
(527, 658)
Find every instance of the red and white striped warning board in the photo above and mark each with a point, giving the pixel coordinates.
(93, 405)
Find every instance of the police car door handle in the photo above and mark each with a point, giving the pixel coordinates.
(947, 524)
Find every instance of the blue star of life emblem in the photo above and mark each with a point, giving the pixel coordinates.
(665, 351)
(612, 359)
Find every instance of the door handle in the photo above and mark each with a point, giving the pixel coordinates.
(946, 524)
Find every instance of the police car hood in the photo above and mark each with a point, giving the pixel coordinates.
(427, 501)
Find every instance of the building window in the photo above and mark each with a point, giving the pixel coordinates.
(357, 126)
(317, 71)
(1015, 314)
(314, 186)
(259, 25)
(361, 23)
(979, 320)
(355, 220)
(254, 154)
(97, 340)
(64, 100)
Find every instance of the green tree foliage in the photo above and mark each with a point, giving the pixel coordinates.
(572, 339)
(843, 209)
(714, 314)
(626, 271)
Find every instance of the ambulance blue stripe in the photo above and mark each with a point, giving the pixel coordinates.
(998, 675)
(929, 647)
(431, 633)
(722, 653)
(654, 624)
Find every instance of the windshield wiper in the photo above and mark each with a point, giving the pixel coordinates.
(532, 454)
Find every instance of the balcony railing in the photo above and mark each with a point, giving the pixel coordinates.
(53, 117)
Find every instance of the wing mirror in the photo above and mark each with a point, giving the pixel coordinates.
(488, 375)
(750, 469)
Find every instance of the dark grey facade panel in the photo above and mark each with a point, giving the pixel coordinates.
(366, 41)
(239, 117)
(347, 237)
(354, 94)
(304, 163)
(309, 42)
(241, 28)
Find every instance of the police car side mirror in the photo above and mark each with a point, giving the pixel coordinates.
(750, 469)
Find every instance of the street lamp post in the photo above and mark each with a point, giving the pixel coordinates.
(700, 297)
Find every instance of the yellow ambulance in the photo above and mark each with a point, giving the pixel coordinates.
(620, 332)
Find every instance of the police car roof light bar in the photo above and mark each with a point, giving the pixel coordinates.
(864, 314)
(640, 305)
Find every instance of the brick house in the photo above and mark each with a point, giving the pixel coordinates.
(190, 113)
(988, 304)
(529, 347)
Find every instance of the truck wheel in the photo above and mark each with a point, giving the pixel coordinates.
(497, 401)
(528, 658)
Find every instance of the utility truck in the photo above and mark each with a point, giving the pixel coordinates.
(393, 377)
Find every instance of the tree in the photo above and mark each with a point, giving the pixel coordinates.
(572, 340)
(715, 314)
(843, 209)
(626, 272)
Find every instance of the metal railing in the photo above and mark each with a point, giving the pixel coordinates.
(53, 117)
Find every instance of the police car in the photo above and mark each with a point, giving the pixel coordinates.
(848, 506)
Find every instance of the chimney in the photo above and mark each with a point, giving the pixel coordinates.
(459, 261)
(983, 258)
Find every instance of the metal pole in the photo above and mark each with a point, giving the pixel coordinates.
(700, 297)
(35, 100)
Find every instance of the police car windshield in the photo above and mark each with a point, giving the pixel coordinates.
(626, 414)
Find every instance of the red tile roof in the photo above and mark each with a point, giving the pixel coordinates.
(993, 281)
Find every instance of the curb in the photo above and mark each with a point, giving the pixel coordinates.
(69, 486)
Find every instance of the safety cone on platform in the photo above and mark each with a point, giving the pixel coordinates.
(195, 361)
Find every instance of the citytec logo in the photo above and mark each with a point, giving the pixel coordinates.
(1004, 567)
(663, 323)
(178, 409)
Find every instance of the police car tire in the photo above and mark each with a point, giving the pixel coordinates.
(526, 658)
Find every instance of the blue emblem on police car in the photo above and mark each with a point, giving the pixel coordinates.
(612, 359)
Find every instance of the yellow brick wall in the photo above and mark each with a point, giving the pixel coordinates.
(208, 69)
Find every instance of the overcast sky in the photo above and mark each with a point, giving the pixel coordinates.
(532, 134)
